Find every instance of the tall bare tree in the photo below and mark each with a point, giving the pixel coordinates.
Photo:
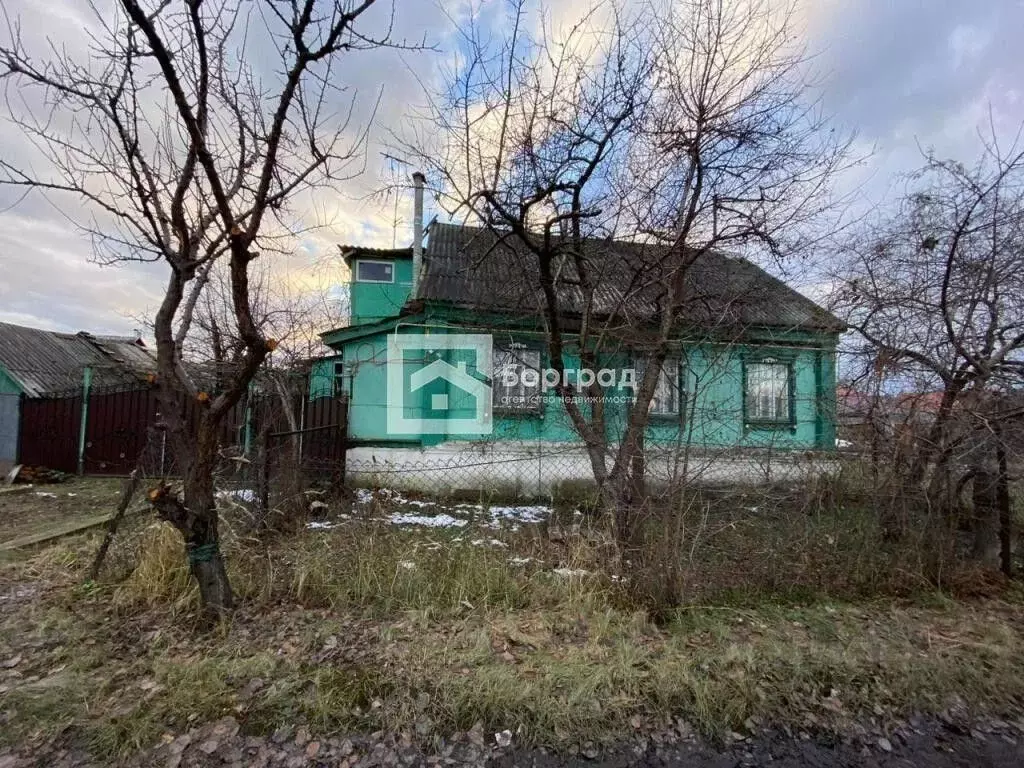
(681, 127)
(187, 128)
(935, 290)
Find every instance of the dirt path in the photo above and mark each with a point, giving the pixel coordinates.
(33, 514)
(924, 743)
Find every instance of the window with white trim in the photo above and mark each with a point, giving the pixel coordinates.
(516, 375)
(368, 271)
(667, 399)
(340, 379)
(767, 396)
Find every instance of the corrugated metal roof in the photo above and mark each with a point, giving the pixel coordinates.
(47, 362)
(476, 268)
(349, 252)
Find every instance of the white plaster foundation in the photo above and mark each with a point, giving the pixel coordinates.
(532, 470)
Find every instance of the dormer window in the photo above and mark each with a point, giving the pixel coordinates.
(370, 271)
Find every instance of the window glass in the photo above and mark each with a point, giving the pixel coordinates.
(375, 272)
(768, 391)
(516, 378)
(666, 399)
(340, 379)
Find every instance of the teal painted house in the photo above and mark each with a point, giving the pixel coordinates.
(750, 383)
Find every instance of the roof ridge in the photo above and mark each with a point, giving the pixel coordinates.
(464, 268)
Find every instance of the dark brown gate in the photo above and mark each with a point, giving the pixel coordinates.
(49, 430)
(118, 430)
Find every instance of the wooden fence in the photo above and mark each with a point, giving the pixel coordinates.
(118, 430)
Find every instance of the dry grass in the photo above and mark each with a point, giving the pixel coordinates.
(367, 626)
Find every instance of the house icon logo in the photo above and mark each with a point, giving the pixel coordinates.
(439, 384)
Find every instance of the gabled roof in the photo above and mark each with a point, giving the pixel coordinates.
(474, 268)
(47, 361)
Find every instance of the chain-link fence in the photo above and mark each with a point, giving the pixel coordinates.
(521, 472)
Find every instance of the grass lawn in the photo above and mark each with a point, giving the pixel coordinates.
(362, 624)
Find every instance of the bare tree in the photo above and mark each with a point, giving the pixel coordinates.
(187, 148)
(935, 290)
(682, 128)
(293, 317)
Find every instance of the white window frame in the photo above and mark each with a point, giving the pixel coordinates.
(360, 262)
(520, 398)
(776, 389)
(669, 381)
(339, 376)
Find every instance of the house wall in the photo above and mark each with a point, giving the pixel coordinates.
(10, 401)
(714, 413)
(8, 386)
(375, 301)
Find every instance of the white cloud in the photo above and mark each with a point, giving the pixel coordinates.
(901, 73)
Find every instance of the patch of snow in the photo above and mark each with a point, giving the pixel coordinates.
(520, 560)
(527, 514)
(407, 564)
(46, 495)
(241, 494)
(490, 542)
(319, 524)
(437, 521)
(366, 496)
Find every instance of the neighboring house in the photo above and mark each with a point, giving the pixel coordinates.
(36, 363)
(753, 375)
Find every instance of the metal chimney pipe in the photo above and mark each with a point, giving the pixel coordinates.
(418, 179)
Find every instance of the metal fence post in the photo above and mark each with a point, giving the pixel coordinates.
(84, 420)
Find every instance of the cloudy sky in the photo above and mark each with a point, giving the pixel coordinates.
(903, 74)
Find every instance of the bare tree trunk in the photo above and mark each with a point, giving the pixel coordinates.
(985, 502)
(1003, 497)
(195, 517)
(202, 537)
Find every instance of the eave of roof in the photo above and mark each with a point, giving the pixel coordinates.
(350, 332)
(349, 252)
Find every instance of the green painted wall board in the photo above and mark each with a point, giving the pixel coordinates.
(714, 412)
(371, 302)
(8, 386)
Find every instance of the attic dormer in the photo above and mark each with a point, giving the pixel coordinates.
(381, 281)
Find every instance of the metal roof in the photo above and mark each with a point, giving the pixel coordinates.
(349, 252)
(477, 268)
(47, 361)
